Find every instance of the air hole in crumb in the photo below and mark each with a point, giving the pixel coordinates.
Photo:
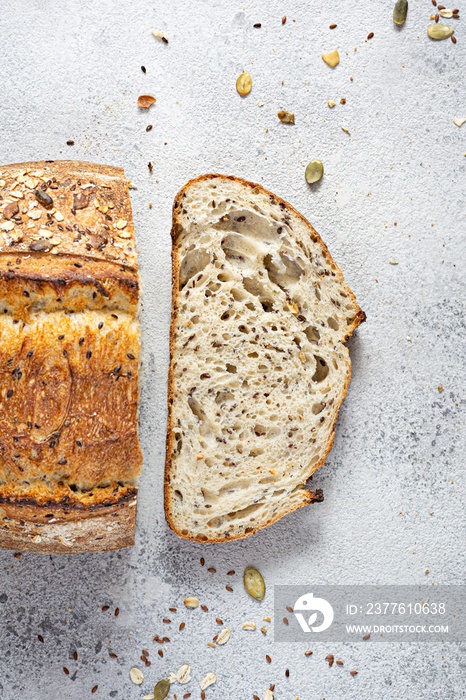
(321, 369)
(179, 495)
(333, 323)
(318, 408)
(312, 334)
(259, 429)
(231, 368)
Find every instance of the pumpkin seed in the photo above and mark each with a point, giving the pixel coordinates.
(314, 171)
(439, 31)
(254, 583)
(146, 101)
(44, 199)
(400, 11)
(285, 117)
(332, 59)
(244, 83)
(162, 689)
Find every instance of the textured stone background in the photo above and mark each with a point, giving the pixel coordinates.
(394, 483)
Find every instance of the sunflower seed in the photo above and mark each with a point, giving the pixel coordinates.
(400, 11)
(254, 583)
(11, 210)
(162, 689)
(210, 679)
(121, 224)
(439, 31)
(244, 83)
(44, 199)
(285, 117)
(332, 59)
(191, 602)
(224, 636)
(314, 171)
(136, 676)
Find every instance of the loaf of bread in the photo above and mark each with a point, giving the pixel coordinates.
(258, 366)
(69, 354)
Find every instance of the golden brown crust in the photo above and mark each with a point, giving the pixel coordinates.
(69, 351)
(360, 317)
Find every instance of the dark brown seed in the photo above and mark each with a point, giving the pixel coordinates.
(165, 640)
(456, 11)
(172, 609)
(284, 19)
(343, 101)
(75, 655)
(268, 659)
(187, 695)
(354, 673)
(219, 621)
(203, 695)
(231, 573)
(164, 39)
(80, 201)
(149, 127)
(166, 620)
(211, 570)
(94, 689)
(101, 325)
(11, 210)
(370, 35)
(330, 658)
(145, 652)
(44, 199)
(40, 638)
(112, 655)
(202, 561)
(160, 653)
(9, 393)
(437, 17)
(143, 68)
(441, 7)
(229, 588)
(339, 662)
(286, 621)
(333, 26)
(89, 354)
(70, 142)
(289, 608)
(287, 673)
(257, 25)
(366, 637)
(308, 653)
(453, 38)
(104, 607)
(17, 555)
(434, 3)
(65, 671)
(130, 356)
(182, 626)
(117, 612)
(204, 608)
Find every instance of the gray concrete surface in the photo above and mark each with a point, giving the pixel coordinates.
(394, 483)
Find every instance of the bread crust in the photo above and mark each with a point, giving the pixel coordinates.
(69, 292)
(360, 317)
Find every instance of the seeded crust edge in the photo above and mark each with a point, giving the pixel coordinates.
(115, 523)
(308, 496)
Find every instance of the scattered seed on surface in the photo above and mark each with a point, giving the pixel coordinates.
(229, 588)
(66, 671)
(314, 171)
(453, 38)
(286, 621)
(162, 689)
(332, 58)
(331, 104)
(112, 655)
(143, 68)
(159, 35)
(70, 142)
(268, 659)
(370, 35)
(149, 127)
(209, 679)
(105, 608)
(211, 570)
(308, 653)
(448, 14)
(343, 101)
(191, 602)
(285, 117)
(204, 608)
(354, 673)
(146, 101)
(182, 626)
(117, 612)
(166, 620)
(249, 625)
(366, 637)
(284, 19)
(330, 658)
(44, 199)
(244, 84)
(183, 675)
(94, 689)
(254, 583)
(439, 31)
(333, 26)
(136, 675)
(257, 25)
(231, 573)
(223, 636)
(264, 630)
(287, 673)
(202, 561)
(40, 638)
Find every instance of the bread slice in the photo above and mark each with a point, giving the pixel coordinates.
(69, 350)
(258, 366)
